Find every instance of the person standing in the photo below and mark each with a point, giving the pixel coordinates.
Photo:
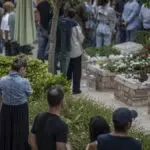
(106, 19)
(145, 17)
(5, 28)
(1, 37)
(45, 14)
(11, 23)
(130, 17)
(121, 32)
(49, 131)
(14, 92)
(119, 139)
(90, 24)
(98, 126)
(74, 69)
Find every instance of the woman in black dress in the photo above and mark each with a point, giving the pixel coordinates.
(14, 90)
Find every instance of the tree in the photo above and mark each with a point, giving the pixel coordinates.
(52, 37)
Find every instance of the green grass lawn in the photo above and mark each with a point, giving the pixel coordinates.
(77, 113)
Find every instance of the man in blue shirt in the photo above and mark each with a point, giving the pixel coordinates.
(145, 17)
(119, 139)
(130, 17)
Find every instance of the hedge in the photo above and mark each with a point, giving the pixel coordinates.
(77, 113)
(38, 75)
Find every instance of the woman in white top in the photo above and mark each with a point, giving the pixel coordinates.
(5, 28)
(74, 70)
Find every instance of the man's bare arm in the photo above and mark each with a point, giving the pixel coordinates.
(32, 142)
(61, 146)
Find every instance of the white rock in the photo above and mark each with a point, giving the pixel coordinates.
(128, 48)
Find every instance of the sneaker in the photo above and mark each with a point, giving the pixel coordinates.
(77, 92)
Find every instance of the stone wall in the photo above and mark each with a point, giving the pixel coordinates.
(130, 92)
(104, 80)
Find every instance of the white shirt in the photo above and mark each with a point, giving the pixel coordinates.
(4, 24)
(77, 39)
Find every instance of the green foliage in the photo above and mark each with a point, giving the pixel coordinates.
(71, 3)
(77, 113)
(142, 37)
(105, 51)
(38, 74)
(128, 65)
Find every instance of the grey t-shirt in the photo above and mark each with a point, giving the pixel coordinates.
(11, 23)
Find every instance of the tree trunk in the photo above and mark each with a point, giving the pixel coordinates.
(52, 38)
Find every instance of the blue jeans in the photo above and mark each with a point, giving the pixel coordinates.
(121, 35)
(130, 35)
(103, 40)
(1, 46)
(64, 59)
(42, 43)
(91, 38)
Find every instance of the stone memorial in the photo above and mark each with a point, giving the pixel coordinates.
(128, 48)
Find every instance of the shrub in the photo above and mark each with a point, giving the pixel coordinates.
(77, 113)
(105, 51)
(38, 75)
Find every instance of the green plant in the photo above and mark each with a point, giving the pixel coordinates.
(77, 113)
(142, 37)
(38, 75)
(105, 51)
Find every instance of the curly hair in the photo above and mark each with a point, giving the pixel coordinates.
(8, 6)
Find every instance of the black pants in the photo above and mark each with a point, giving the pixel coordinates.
(74, 71)
(7, 48)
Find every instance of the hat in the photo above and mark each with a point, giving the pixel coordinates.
(124, 115)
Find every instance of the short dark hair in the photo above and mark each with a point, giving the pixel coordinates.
(71, 13)
(18, 63)
(102, 2)
(55, 95)
(121, 127)
(98, 125)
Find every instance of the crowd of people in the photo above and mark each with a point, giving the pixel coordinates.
(93, 23)
(49, 131)
(110, 22)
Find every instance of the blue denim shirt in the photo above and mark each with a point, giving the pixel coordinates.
(14, 89)
(145, 17)
(131, 15)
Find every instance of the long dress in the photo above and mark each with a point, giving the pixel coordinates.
(13, 123)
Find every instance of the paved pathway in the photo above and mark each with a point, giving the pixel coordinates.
(107, 98)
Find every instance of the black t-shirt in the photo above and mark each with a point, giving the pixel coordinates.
(111, 142)
(45, 11)
(49, 129)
